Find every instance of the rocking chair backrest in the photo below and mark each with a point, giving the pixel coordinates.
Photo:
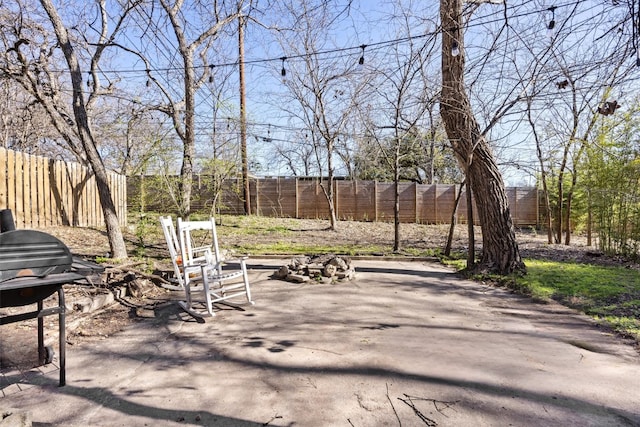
(194, 252)
(173, 246)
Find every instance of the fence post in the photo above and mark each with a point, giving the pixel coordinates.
(11, 180)
(257, 192)
(415, 203)
(336, 197)
(515, 206)
(355, 198)
(297, 200)
(29, 192)
(375, 200)
(19, 171)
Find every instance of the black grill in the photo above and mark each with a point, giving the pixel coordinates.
(33, 266)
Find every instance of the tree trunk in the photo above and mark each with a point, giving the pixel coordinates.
(559, 210)
(547, 203)
(188, 152)
(330, 197)
(543, 176)
(500, 253)
(329, 190)
(396, 203)
(114, 233)
(452, 226)
(471, 252)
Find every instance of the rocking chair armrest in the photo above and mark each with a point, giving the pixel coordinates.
(202, 253)
(187, 269)
(242, 260)
(205, 249)
(237, 258)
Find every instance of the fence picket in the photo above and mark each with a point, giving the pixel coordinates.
(3, 179)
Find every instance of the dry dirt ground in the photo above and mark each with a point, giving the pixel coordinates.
(100, 324)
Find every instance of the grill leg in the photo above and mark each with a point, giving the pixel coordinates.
(62, 335)
(62, 341)
(42, 355)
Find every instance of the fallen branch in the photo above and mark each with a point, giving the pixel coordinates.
(393, 407)
(276, 417)
(435, 402)
(158, 280)
(428, 421)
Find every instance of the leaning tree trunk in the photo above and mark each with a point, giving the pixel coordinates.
(500, 253)
(114, 233)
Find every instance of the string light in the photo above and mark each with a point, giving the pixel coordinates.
(389, 42)
(361, 60)
(552, 23)
(89, 79)
(283, 72)
(211, 73)
(455, 48)
(148, 81)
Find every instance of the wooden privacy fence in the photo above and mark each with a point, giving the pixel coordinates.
(43, 192)
(354, 200)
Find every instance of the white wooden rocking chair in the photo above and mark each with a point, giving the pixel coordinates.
(199, 269)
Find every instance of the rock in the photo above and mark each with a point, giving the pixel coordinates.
(299, 263)
(299, 278)
(282, 273)
(341, 263)
(346, 275)
(139, 287)
(91, 304)
(318, 268)
(330, 270)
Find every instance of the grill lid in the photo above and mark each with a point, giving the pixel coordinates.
(32, 253)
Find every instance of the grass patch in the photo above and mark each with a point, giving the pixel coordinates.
(609, 294)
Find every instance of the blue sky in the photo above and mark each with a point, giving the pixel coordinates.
(368, 23)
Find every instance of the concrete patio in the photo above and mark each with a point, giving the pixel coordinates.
(406, 343)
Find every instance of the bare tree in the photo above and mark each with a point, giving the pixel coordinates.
(500, 252)
(32, 45)
(322, 89)
(296, 155)
(565, 99)
(24, 125)
(407, 92)
(133, 137)
(194, 29)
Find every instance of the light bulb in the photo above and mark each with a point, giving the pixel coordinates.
(283, 72)
(361, 60)
(455, 48)
(552, 23)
